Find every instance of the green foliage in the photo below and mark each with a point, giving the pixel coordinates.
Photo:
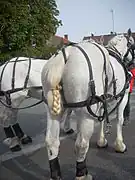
(24, 23)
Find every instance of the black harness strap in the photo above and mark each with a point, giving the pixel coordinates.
(2, 74)
(113, 81)
(106, 77)
(116, 52)
(106, 86)
(13, 74)
(119, 59)
(64, 55)
(28, 74)
(91, 83)
(30, 106)
(6, 94)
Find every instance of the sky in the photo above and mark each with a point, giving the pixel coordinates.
(82, 17)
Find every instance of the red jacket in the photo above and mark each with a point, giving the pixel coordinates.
(132, 79)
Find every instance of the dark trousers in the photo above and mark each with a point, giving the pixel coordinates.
(127, 108)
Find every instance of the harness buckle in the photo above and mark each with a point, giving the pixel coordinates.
(8, 99)
(92, 87)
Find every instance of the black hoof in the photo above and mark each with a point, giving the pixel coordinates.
(58, 178)
(125, 123)
(16, 148)
(121, 152)
(26, 140)
(104, 147)
(71, 131)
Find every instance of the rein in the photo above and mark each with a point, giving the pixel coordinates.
(30, 106)
(8, 103)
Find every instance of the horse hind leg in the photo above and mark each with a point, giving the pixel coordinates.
(17, 99)
(119, 144)
(14, 133)
(102, 141)
(127, 111)
(85, 128)
(11, 140)
(25, 139)
(52, 142)
(67, 123)
(10, 116)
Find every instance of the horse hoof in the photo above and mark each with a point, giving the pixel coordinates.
(58, 178)
(70, 131)
(102, 143)
(120, 147)
(88, 177)
(7, 141)
(26, 140)
(121, 152)
(126, 123)
(15, 148)
(102, 147)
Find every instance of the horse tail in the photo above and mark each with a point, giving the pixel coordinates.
(54, 100)
(53, 74)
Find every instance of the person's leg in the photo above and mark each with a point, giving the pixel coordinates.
(127, 110)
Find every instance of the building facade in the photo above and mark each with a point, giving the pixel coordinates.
(103, 39)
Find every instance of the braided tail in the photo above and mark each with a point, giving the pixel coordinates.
(54, 100)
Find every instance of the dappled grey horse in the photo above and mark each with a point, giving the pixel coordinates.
(82, 77)
(20, 79)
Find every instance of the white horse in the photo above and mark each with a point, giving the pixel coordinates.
(13, 75)
(8, 116)
(83, 71)
(20, 77)
(128, 61)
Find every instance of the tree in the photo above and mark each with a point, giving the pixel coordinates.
(26, 23)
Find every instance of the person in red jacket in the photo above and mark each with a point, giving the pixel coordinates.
(131, 68)
(127, 108)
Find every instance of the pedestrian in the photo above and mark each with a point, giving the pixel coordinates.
(131, 84)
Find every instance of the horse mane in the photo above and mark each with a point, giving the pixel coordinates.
(115, 40)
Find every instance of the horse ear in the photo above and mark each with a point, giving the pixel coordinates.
(101, 40)
(129, 33)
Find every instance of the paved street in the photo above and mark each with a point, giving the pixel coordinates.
(31, 162)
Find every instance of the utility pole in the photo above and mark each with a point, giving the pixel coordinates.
(112, 20)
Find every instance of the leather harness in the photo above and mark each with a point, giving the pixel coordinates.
(7, 93)
(93, 98)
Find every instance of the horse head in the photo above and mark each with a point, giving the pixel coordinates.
(124, 46)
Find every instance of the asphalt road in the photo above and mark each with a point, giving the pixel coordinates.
(31, 162)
